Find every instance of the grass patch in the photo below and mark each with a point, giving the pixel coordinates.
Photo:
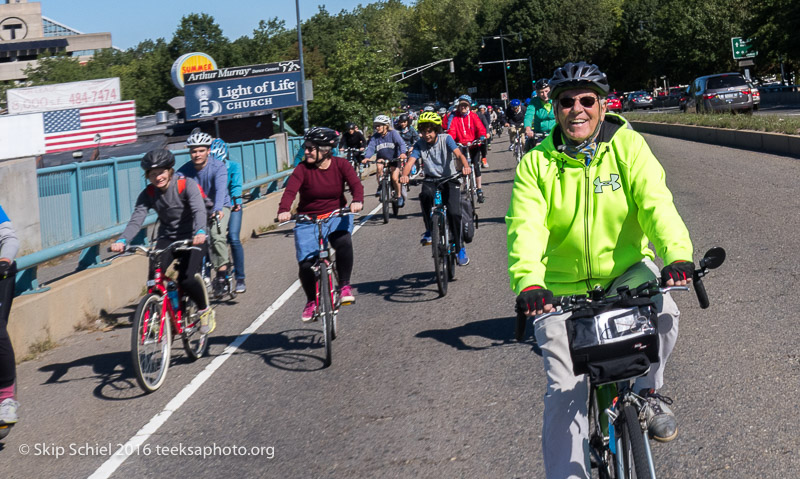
(38, 348)
(768, 123)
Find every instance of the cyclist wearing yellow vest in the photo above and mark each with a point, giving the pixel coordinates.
(585, 204)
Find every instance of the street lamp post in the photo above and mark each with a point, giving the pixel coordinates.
(302, 69)
(502, 37)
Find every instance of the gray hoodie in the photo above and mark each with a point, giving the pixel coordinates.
(180, 215)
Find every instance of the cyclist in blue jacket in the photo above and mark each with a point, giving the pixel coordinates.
(219, 151)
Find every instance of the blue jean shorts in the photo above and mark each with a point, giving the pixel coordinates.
(306, 242)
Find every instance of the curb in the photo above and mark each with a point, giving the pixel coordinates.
(773, 143)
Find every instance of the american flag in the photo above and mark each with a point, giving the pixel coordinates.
(88, 127)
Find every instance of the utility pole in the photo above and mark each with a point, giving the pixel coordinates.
(302, 69)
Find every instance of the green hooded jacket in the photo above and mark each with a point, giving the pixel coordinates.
(540, 118)
(573, 227)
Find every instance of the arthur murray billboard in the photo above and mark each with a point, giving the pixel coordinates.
(230, 91)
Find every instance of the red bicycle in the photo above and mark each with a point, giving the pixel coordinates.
(165, 310)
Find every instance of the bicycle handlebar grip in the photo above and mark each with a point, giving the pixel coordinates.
(700, 290)
(519, 329)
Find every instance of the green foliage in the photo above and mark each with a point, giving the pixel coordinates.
(769, 123)
(355, 86)
(199, 33)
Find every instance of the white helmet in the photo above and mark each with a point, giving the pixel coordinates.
(382, 119)
(198, 138)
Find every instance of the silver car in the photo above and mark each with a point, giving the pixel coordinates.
(720, 93)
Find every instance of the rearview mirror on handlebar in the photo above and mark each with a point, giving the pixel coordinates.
(713, 258)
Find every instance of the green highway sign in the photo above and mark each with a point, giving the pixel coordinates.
(742, 49)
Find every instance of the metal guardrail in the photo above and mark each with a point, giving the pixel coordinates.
(84, 204)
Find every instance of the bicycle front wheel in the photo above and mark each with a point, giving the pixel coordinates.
(440, 254)
(150, 355)
(195, 343)
(635, 454)
(386, 198)
(326, 313)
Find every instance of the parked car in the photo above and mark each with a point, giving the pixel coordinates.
(756, 96)
(720, 93)
(684, 98)
(637, 99)
(613, 103)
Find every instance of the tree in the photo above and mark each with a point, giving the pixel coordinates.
(355, 86)
(199, 33)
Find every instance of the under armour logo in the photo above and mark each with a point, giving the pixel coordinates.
(613, 183)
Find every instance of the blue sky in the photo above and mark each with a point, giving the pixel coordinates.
(131, 21)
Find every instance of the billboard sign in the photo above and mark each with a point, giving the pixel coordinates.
(242, 95)
(241, 72)
(62, 96)
(190, 63)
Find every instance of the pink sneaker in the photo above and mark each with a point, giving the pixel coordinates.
(308, 311)
(347, 295)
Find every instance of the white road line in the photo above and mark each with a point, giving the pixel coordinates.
(159, 419)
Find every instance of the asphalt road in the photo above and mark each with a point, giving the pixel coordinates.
(423, 386)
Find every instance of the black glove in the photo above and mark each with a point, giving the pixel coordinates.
(678, 271)
(4, 267)
(533, 299)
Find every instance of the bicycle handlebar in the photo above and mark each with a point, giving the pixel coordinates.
(711, 260)
(133, 249)
(315, 218)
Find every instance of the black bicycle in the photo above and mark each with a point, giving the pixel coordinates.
(327, 280)
(443, 246)
(388, 195)
(353, 156)
(613, 339)
(470, 182)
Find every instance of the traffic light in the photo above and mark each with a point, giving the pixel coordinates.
(508, 66)
(480, 68)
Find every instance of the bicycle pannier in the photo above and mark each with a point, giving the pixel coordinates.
(467, 217)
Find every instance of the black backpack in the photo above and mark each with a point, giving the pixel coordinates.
(467, 217)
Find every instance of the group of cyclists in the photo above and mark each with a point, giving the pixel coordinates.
(577, 147)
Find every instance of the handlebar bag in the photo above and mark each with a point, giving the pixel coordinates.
(614, 343)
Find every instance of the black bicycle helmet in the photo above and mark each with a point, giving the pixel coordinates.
(350, 126)
(402, 117)
(541, 84)
(157, 159)
(322, 136)
(578, 75)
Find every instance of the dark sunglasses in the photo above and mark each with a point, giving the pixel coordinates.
(586, 102)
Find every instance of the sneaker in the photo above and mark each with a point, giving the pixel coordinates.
(426, 239)
(347, 295)
(240, 286)
(308, 311)
(401, 202)
(8, 412)
(511, 147)
(378, 192)
(661, 423)
(208, 320)
(463, 260)
(220, 284)
(481, 198)
(485, 163)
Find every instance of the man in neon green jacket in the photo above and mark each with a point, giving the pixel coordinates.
(586, 202)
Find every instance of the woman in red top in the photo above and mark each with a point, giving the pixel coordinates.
(320, 180)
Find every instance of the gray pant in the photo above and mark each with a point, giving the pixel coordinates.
(219, 240)
(565, 442)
